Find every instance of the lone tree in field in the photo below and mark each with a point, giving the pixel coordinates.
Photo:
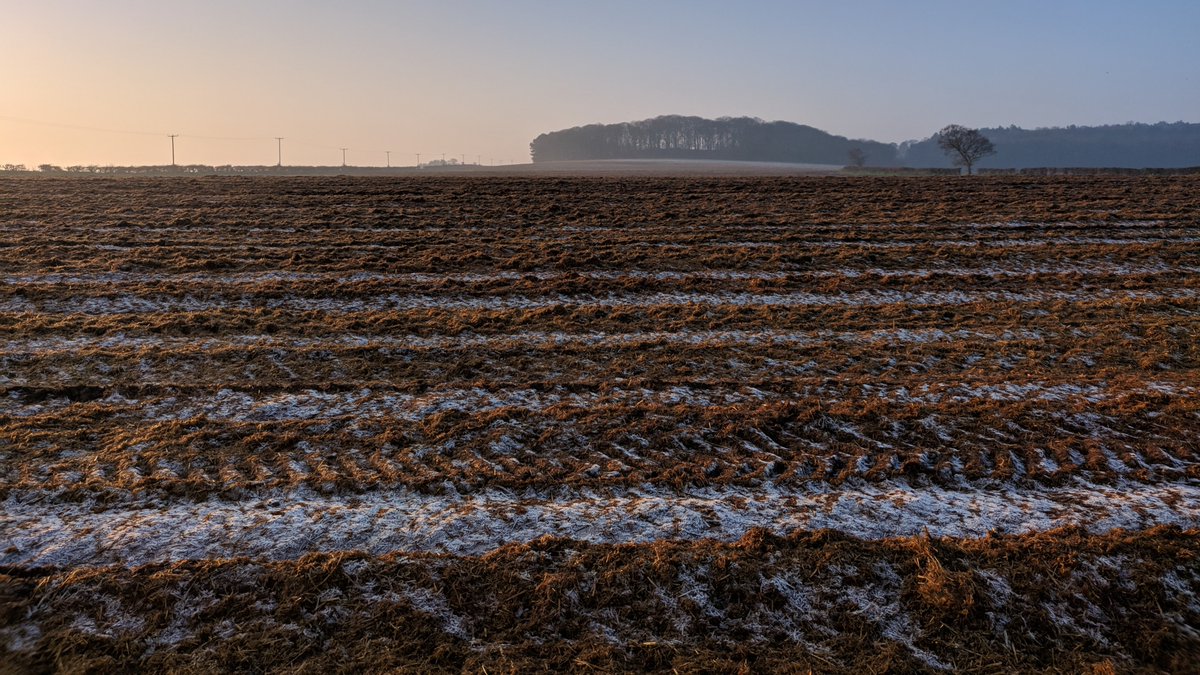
(857, 157)
(964, 146)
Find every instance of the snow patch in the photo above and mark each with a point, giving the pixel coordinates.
(81, 534)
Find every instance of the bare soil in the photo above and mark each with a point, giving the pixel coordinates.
(683, 423)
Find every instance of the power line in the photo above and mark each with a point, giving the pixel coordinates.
(229, 138)
(105, 130)
(79, 127)
(323, 146)
(278, 139)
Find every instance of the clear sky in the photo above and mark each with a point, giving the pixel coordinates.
(483, 78)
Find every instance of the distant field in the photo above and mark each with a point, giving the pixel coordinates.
(582, 168)
(674, 167)
(621, 422)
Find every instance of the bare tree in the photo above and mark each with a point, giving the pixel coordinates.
(964, 146)
(858, 158)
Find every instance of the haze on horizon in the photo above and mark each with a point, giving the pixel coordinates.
(482, 79)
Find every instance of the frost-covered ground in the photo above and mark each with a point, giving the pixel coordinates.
(290, 525)
(646, 424)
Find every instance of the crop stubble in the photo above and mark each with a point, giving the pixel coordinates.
(833, 423)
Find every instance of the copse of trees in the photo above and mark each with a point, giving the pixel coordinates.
(1132, 145)
(1164, 145)
(727, 138)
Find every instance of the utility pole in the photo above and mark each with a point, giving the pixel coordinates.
(279, 148)
(389, 159)
(344, 156)
(464, 159)
(443, 158)
(418, 160)
(477, 159)
(173, 137)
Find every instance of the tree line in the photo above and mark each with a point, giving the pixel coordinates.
(210, 170)
(679, 137)
(1168, 145)
(1131, 145)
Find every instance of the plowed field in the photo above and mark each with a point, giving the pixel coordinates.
(513, 424)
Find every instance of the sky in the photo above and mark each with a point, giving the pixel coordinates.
(86, 82)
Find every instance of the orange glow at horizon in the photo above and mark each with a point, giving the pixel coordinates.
(484, 78)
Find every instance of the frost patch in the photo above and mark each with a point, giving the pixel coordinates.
(44, 533)
(879, 603)
(21, 638)
(434, 604)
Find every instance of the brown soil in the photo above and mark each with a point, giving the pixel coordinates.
(1059, 601)
(987, 333)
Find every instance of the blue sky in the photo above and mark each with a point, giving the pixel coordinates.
(483, 78)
